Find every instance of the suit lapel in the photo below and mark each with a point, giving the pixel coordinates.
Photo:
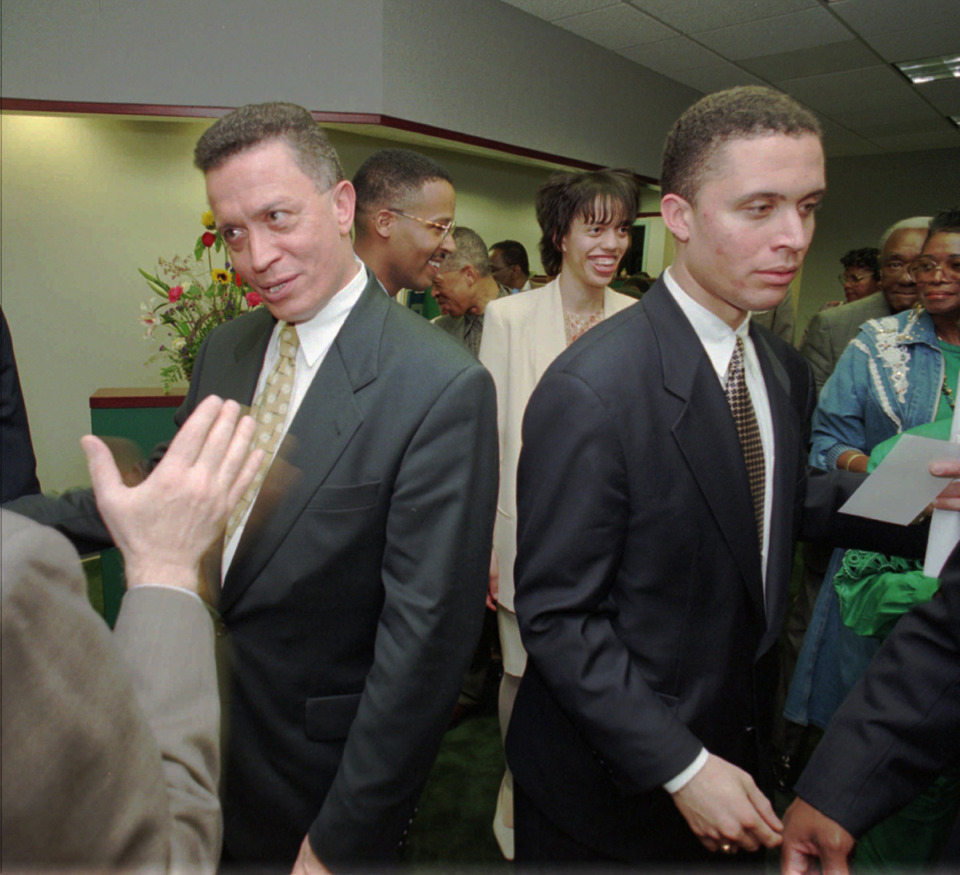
(325, 422)
(706, 434)
(547, 335)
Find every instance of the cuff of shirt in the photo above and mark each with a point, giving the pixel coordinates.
(172, 588)
(687, 775)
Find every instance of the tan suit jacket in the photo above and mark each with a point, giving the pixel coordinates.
(522, 335)
(110, 750)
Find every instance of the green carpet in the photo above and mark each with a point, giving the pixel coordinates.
(453, 822)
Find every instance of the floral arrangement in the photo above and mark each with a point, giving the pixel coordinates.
(195, 297)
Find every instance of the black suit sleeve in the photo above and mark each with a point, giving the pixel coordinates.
(899, 726)
(434, 572)
(574, 508)
(18, 465)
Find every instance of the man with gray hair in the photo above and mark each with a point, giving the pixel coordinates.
(831, 330)
(463, 288)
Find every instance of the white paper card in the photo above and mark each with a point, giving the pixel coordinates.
(902, 485)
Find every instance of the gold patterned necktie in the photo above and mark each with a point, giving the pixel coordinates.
(738, 397)
(270, 410)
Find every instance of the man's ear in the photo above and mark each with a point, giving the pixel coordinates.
(344, 205)
(677, 213)
(470, 272)
(383, 223)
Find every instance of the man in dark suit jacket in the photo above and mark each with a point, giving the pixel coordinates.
(353, 591)
(893, 734)
(652, 581)
(18, 465)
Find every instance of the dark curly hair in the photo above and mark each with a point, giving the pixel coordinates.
(610, 195)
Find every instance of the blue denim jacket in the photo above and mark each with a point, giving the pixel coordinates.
(887, 380)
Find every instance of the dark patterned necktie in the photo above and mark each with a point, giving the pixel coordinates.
(738, 397)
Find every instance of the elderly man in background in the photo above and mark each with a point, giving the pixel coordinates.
(404, 218)
(510, 265)
(463, 288)
(831, 330)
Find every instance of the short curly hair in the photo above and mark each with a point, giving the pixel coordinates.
(257, 123)
(868, 258)
(389, 177)
(610, 195)
(736, 113)
(945, 220)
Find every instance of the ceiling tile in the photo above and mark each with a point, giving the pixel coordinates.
(704, 15)
(944, 95)
(550, 10)
(832, 91)
(784, 33)
(919, 42)
(828, 58)
(910, 142)
(672, 55)
(715, 77)
(892, 16)
(616, 27)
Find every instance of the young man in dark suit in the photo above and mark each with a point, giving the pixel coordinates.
(657, 524)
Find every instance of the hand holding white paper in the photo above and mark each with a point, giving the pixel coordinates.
(945, 524)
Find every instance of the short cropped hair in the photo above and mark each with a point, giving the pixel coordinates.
(744, 112)
(868, 258)
(513, 252)
(257, 123)
(389, 177)
(470, 250)
(610, 195)
(945, 220)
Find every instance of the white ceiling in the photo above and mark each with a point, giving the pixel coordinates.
(835, 57)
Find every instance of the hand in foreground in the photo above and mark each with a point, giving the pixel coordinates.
(493, 589)
(808, 836)
(724, 808)
(949, 499)
(164, 525)
(307, 861)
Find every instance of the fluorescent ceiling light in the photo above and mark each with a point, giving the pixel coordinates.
(930, 69)
(955, 119)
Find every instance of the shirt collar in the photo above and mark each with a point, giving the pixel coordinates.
(314, 334)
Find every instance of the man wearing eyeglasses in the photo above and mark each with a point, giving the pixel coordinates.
(831, 330)
(405, 207)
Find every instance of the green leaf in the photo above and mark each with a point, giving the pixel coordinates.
(198, 249)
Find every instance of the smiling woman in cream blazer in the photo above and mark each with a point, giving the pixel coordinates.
(585, 219)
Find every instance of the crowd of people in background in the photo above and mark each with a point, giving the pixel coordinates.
(615, 468)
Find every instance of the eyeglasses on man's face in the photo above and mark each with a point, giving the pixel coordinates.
(441, 228)
(854, 277)
(923, 270)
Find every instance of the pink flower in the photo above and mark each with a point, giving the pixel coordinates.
(175, 293)
(253, 299)
(209, 239)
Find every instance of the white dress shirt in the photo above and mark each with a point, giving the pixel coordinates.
(316, 336)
